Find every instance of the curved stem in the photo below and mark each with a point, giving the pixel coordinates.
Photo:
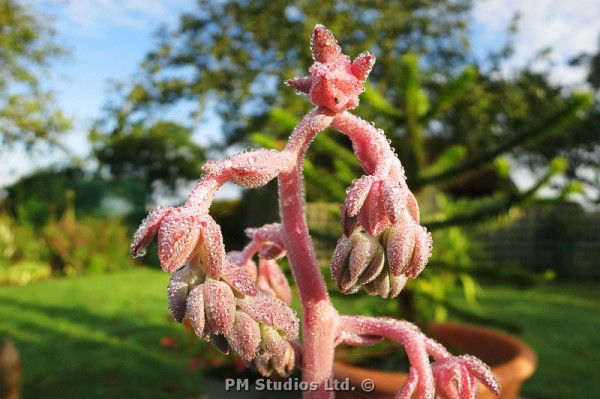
(414, 341)
(320, 319)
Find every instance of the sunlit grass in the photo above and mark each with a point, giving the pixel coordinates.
(96, 337)
(99, 336)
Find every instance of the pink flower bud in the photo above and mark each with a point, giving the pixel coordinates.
(177, 238)
(272, 312)
(238, 278)
(219, 306)
(408, 247)
(376, 203)
(244, 336)
(195, 310)
(180, 285)
(456, 377)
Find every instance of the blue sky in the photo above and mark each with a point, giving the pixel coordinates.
(108, 39)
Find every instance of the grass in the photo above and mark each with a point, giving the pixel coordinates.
(561, 322)
(96, 337)
(99, 337)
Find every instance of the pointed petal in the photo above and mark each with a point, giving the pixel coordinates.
(356, 195)
(393, 201)
(372, 216)
(277, 280)
(212, 250)
(323, 45)
(244, 336)
(340, 257)
(177, 238)
(364, 249)
(380, 286)
(412, 206)
(195, 309)
(238, 278)
(400, 246)
(396, 284)
(422, 252)
(147, 230)
(482, 372)
(362, 65)
(302, 83)
(272, 312)
(219, 306)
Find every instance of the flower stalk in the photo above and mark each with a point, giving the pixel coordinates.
(240, 300)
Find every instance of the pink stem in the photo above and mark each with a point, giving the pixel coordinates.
(407, 334)
(320, 319)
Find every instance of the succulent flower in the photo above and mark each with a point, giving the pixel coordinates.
(381, 264)
(456, 377)
(373, 204)
(334, 83)
(182, 234)
(276, 354)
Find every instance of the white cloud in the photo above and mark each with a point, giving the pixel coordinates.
(567, 27)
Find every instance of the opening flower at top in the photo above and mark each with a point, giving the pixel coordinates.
(334, 82)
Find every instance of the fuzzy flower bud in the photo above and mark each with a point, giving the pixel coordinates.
(182, 234)
(373, 204)
(334, 82)
(244, 336)
(276, 354)
(456, 377)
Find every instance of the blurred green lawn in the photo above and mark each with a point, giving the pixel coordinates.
(99, 337)
(96, 337)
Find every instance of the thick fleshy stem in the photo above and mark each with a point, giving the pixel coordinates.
(319, 324)
(409, 335)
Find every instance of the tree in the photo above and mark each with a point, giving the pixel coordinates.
(27, 48)
(162, 153)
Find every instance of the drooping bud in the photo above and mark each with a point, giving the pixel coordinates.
(244, 336)
(453, 380)
(272, 312)
(276, 354)
(408, 247)
(195, 310)
(237, 277)
(182, 281)
(219, 306)
(177, 238)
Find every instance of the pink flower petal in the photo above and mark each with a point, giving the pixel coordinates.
(362, 65)
(271, 312)
(177, 238)
(244, 336)
(195, 310)
(147, 230)
(238, 278)
(323, 45)
(401, 246)
(212, 250)
(276, 279)
(219, 306)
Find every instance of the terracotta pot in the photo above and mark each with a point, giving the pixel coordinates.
(512, 362)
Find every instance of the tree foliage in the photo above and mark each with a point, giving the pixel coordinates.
(27, 48)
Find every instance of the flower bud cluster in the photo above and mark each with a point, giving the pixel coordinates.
(220, 297)
(381, 262)
(456, 377)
